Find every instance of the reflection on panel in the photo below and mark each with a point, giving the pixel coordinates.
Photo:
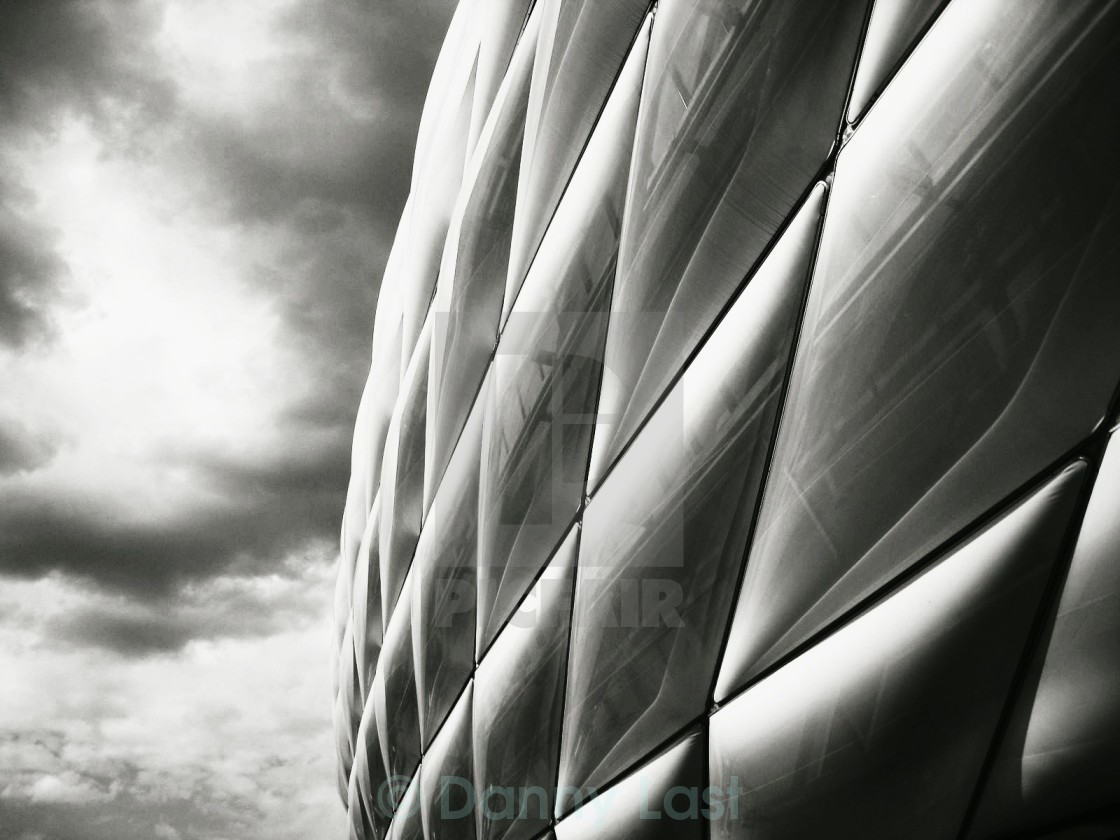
(380, 394)
(664, 537)
(881, 729)
(519, 687)
(582, 46)
(500, 25)
(663, 799)
(344, 754)
(444, 592)
(359, 829)
(891, 33)
(1061, 755)
(398, 721)
(335, 648)
(348, 693)
(402, 477)
(742, 104)
(367, 625)
(446, 790)
(441, 158)
(960, 333)
(373, 781)
(408, 824)
(549, 363)
(343, 582)
(374, 411)
(457, 58)
(472, 277)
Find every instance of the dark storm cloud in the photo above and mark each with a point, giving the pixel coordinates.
(269, 510)
(30, 273)
(330, 175)
(77, 53)
(54, 56)
(22, 449)
(225, 608)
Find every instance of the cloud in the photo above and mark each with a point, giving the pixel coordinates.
(80, 55)
(224, 737)
(199, 203)
(30, 273)
(196, 204)
(22, 449)
(219, 608)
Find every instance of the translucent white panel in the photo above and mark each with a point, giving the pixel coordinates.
(1061, 754)
(519, 689)
(355, 512)
(398, 725)
(665, 536)
(582, 46)
(369, 770)
(359, 823)
(344, 754)
(447, 793)
(408, 824)
(336, 647)
(741, 107)
(436, 183)
(457, 57)
(343, 587)
(661, 800)
(960, 332)
(444, 593)
(383, 382)
(881, 729)
(500, 25)
(472, 277)
(549, 363)
(388, 325)
(402, 476)
(378, 398)
(348, 693)
(894, 27)
(367, 626)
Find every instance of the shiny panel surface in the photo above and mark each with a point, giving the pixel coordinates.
(349, 696)
(664, 537)
(472, 278)
(408, 824)
(960, 332)
(445, 590)
(1061, 755)
(742, 104)
(519, 688)
(880, 730)
(582, 46)
(891, 32)
(397, 715)
(441, 158)
(549, 364)
(500, 25)
(447, 793)
(402, 477)
(369, 764)
(358, 823)
(661, 800)
(366, 606)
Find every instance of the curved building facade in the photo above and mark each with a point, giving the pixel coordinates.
(737, 455)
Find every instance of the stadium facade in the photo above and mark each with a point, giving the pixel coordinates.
(737, 455)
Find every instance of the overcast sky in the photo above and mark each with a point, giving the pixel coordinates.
(196, 201)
